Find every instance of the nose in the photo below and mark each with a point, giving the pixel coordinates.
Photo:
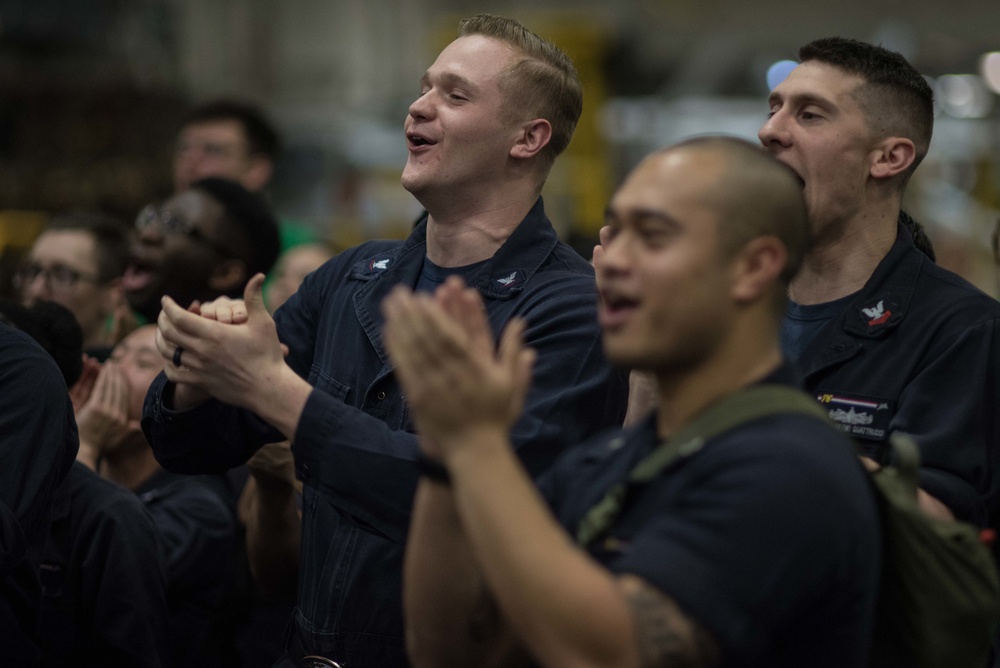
(774, 133)
(36, 288)
(611, 258)
(185, 162)
(150, 235)
(422, 108)
(187, 166)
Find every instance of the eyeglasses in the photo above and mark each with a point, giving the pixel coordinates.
(59, 277)
(173, 225)
(213, 149)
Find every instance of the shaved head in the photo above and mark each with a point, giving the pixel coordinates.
(755, 196)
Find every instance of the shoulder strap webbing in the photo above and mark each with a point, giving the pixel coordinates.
(746, 405)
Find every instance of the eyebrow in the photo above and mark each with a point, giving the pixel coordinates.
(802, 99)
(450, 78)
(641, 215)
(125, 347)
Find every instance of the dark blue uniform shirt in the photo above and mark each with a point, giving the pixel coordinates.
(38, 443)
(768, 536)
(354, 447)
(917, 350)
(104, 585)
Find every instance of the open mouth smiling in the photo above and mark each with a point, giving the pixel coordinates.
(418, 141)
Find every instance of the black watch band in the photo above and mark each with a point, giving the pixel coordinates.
(432, 469)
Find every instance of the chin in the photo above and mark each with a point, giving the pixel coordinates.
(411, 177)
(625, 357)
(410, 185)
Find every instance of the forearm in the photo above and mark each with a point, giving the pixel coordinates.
(932, 507)
(929, 504)
(210, 438)
(565, 607)
(280, 400)
(87, 455)
(273, 537)
(451, 620)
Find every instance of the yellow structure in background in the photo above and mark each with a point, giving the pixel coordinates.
(588, 180)
(19, 229)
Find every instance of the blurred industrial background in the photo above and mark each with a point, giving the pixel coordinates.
(92, 91)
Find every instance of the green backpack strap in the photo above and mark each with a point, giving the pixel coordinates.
(743, 406)
(904, 473)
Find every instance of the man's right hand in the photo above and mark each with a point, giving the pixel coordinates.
(443, 346)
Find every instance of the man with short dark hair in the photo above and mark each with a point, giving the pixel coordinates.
(758, 546)
(888, 340)
(228, 139)
(234, 140)
(202, 243)
(477, 162)
(78, 262)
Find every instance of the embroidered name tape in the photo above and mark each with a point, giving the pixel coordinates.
(862, 417)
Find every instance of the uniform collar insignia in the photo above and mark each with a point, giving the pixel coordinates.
(877, 314)
(508, 281)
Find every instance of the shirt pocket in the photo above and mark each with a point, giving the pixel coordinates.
(321, 380)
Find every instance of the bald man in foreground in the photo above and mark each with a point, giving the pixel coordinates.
(760, 548)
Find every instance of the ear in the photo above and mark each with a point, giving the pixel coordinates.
(228, 275)
(757, 267)
(892, 156)
(532, 138)
(258, 173)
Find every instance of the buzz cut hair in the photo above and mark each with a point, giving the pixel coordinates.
(542, 82)
(896, 99)
(757, 196)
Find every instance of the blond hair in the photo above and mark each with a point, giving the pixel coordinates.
(542, 83)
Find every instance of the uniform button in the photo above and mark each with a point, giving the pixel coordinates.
(380, 396)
